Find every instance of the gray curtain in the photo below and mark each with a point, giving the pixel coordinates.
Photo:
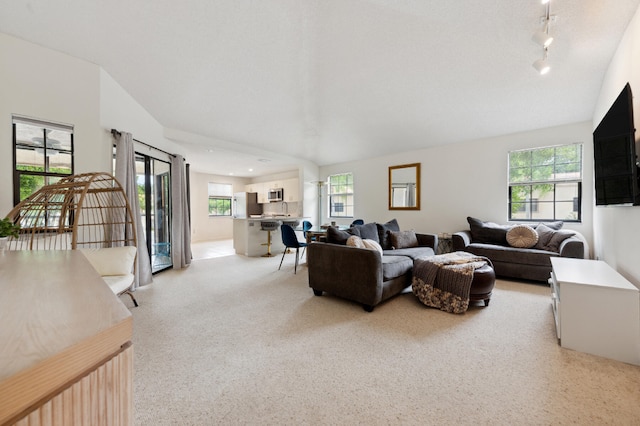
(180, 226)
(126, 175)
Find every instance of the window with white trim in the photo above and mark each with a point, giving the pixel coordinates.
(43, 154)
(340, 194)
(546, 183)
(220, 199)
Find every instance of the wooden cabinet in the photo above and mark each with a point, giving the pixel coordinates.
(596, 310)
(66, 356)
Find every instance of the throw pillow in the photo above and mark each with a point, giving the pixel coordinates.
(368, 231)
(383, 232)
(403, 239)
(544, 236)
(336, 236)
(553, 225)
(487, 232)
(522, 236)
(355, 241)
(373, 245)
(550, 240)
(557, 239)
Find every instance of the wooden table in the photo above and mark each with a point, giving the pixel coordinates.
(65, 342)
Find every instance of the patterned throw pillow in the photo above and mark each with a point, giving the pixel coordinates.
(373, 245)
(355, 241)
(403, 239)
(522, 236)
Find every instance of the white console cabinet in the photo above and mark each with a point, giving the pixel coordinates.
(596, 309)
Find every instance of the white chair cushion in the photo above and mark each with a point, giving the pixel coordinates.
(118, 283)
(111, 260)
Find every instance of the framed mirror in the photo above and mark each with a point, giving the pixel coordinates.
(404, 187)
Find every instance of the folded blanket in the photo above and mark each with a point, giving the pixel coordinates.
(444, 281)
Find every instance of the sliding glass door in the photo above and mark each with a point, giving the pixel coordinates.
(154, 192)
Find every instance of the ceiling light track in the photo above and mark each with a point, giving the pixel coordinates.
(544, 39)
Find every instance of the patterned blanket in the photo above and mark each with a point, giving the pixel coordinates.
(444, 281)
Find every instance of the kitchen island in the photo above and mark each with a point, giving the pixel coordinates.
(250, 240)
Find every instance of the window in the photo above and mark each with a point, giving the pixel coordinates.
(220, 199)
(43, 154)
(546, 183)
(341, 195)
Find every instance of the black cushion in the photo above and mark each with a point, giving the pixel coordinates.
(488, 232)
(383, 232)
(336, 236)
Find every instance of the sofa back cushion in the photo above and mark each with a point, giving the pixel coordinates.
(488, 232)
(383, 232)
(368, 231)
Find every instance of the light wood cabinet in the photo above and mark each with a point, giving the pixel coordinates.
(66, 356)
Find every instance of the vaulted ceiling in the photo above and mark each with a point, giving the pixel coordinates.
(334, 80)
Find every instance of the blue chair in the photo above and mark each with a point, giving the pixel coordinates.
(290, 240)
(357, 222)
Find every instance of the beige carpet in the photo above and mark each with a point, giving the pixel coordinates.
(233, 340)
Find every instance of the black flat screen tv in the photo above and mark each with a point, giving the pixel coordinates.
(614, 150)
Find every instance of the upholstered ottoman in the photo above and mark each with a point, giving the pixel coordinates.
(484, 278)
(451, 281)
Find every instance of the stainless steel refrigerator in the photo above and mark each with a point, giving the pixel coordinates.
(245, 204)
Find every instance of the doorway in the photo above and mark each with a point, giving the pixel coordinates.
(153, 177)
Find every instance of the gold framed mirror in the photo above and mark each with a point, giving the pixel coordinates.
(404, 187)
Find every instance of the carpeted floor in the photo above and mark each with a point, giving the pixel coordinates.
(232, 340)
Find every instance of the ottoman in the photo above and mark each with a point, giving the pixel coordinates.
(484, 278)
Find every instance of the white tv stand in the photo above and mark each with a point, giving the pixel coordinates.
(596, 309)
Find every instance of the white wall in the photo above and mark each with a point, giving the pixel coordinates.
(48, 85)
(203, 227)
(616, 228)
(460, 180)
(118, 110)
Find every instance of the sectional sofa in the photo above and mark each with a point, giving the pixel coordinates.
(367, 276)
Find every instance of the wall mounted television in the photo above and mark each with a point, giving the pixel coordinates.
(614, 150)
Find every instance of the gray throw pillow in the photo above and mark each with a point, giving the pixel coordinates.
(549, 239)
(367, 231)
(403, 239)
(383, 232)
(488, 232)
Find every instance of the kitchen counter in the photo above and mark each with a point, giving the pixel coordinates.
(250, 240)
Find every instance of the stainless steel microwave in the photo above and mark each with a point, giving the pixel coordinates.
(275, 194)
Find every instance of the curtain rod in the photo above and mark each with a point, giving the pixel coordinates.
(116, 133)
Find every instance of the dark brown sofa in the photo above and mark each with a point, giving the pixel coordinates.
(363, 275)
(489, 239)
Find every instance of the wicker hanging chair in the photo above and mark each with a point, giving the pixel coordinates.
(87, 210)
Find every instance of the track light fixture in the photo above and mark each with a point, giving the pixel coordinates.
(542, 65)
(544, 39)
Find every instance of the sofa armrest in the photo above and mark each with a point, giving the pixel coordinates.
(573, 247)
(348, 272)
(428, 240)
(460, 240)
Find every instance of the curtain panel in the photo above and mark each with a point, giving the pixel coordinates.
(126, 175)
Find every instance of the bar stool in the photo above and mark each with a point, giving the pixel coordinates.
(268, 226)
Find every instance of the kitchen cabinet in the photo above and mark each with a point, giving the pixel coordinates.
(291, 188)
